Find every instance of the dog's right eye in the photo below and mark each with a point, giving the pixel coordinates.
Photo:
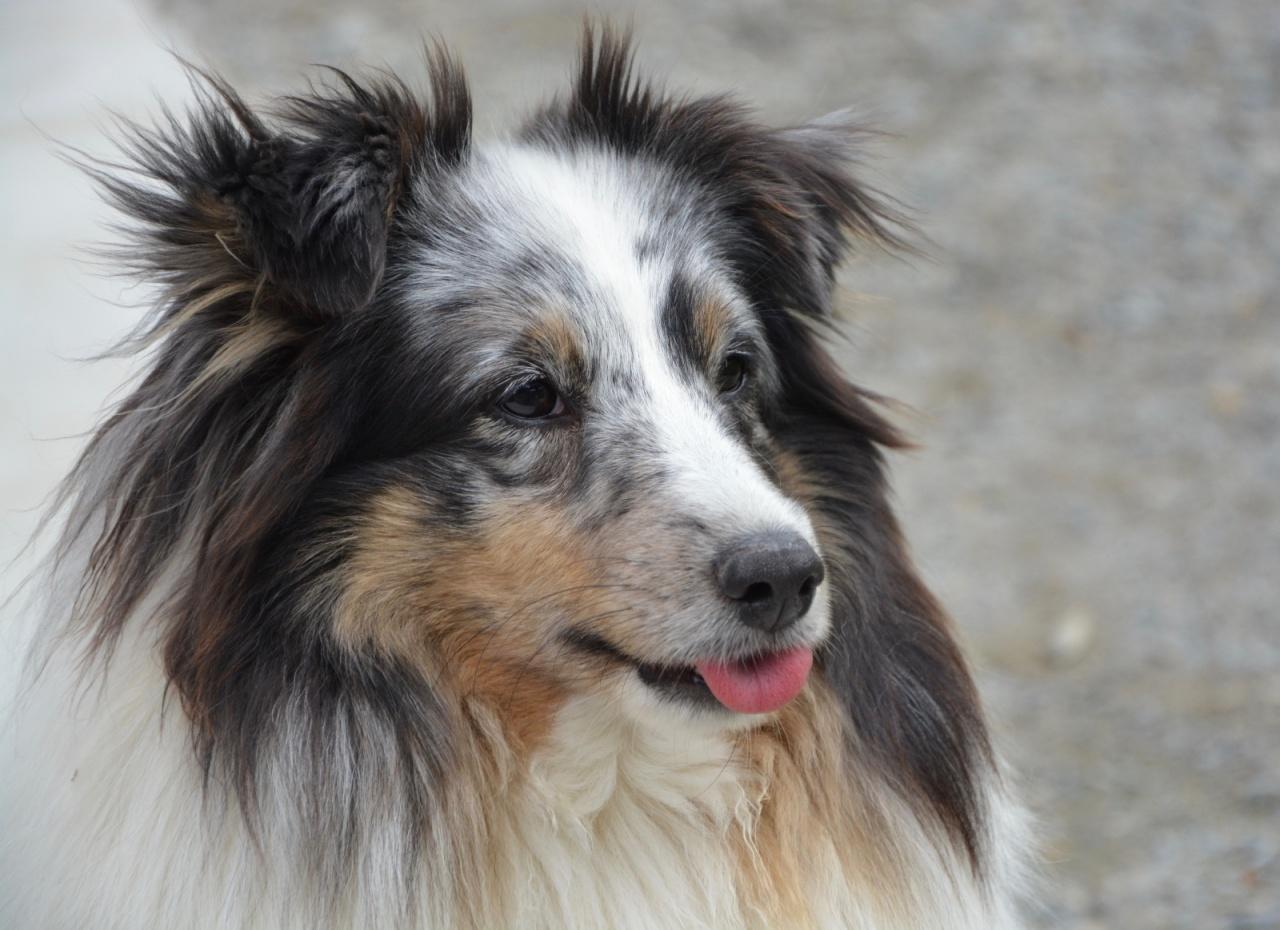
(532, 399)
(734, 372)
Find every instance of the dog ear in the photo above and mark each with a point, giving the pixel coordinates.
(892, 659)
(783, 204)
(810, 209)
(294, 207)
(318, 199)
(313, 205)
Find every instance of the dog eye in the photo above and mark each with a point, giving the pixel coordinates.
(532, 399)
(734, 372)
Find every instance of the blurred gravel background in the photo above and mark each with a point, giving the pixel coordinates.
(1091, 360)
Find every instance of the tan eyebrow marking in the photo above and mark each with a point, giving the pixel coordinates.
(555, 339)
(555, 334)
(712, 321)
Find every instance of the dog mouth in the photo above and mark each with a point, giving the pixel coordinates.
(756, 684)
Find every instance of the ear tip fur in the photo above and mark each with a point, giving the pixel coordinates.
(233, 193)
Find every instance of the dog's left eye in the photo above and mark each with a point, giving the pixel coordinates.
(734, 373)
(535, 398)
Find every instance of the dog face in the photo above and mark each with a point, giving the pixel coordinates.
(519, 406)
(594, 498)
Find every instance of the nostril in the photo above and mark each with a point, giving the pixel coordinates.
(772, 577)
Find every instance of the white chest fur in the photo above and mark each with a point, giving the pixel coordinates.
(607, 825)
(627, 827)
(636, 827)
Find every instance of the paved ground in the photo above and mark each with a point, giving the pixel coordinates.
(1092, 358)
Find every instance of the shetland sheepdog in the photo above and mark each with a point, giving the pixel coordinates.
(491, 541)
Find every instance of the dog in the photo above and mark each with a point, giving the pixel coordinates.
(491, 541)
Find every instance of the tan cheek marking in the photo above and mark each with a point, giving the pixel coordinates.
(473, 610)
(391, 566)
(794, 481)
(792, 476)
(531, 567)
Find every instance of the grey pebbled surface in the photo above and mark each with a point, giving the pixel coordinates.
(1092, 359)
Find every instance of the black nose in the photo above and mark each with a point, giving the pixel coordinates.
(771, 577)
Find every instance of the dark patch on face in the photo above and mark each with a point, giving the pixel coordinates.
(502, 476)
(692, 524)
(547, 473)
(614, 486)
(550, 271)
(624, 381)
(625, 491)
(616, 471)
(648, 248)
(699, 336)
(683, 337)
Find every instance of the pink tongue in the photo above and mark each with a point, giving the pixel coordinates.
(761, 686)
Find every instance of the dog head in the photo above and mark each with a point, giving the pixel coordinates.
(433, 421)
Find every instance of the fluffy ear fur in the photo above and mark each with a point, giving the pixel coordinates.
(314, 202)
(299, 205)
(826, 209)
(784, 200)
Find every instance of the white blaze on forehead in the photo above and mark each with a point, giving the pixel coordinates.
(597, 215)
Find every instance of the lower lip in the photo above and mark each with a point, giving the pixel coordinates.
(758, 686)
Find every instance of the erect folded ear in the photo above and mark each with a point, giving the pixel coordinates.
(294, 206)
(316, 199)
(314, 205)
(815, 209)
(803, 208)
(786, 202)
